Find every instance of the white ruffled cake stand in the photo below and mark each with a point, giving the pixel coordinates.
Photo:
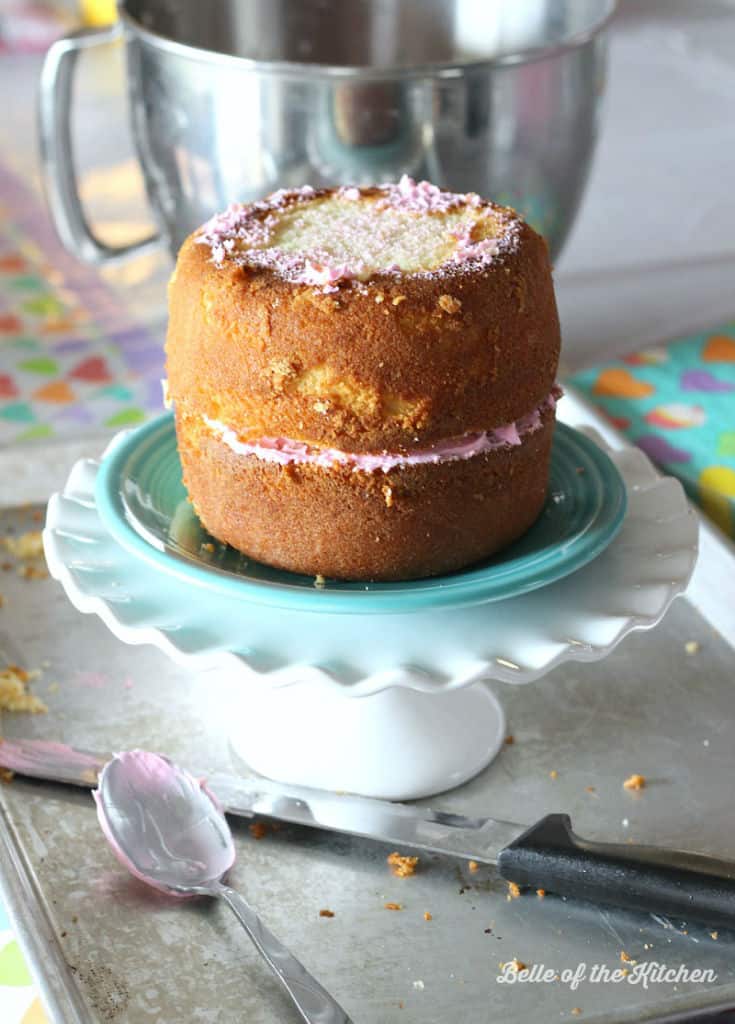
(386, 704)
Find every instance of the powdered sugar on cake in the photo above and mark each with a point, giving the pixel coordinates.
(323, 238)
(285, 451)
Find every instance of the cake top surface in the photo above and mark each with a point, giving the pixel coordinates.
(325, 237)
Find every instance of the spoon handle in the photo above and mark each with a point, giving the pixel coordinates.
(313, 1002)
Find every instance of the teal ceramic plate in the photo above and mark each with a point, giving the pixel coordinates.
(143, 504)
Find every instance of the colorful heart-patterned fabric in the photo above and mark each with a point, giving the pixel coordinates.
(19, 1003)
(71, 358)
(677, 403)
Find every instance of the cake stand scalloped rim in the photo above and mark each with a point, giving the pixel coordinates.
(639, 476)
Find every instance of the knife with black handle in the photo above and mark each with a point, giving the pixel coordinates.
(547, 855)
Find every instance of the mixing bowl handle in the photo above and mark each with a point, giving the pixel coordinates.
(57, 155)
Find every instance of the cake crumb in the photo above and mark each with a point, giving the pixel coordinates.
(380, 298)
(208, 546)
(473, 866)
(321, 406)
(26, 546)
(393, 906)
(553, 774)
(449, 303)
(319, 581)
(388, 495)
(626, 958)
(589, 789)
(430, 917)
(691, 647)
(258, 830)
(5, 774)
(576, 1010)
(14, 695)
(541, 893)
(400, 866)
(514, 890)
(32, 572)
(635, 781)
(399, 299)
(510, 740)
(714, 935)
(326, 913)
(518, 965)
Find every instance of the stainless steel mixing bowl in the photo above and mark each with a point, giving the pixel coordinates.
(230, 99)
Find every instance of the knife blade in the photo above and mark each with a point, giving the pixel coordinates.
(435, 831)
(546, 855)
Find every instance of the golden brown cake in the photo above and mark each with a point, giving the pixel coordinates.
(363, 379)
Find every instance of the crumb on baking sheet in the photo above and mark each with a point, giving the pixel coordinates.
(14, 695)
(5, 774)
(541, 893)
(553, 774)
(514, 890)
(515, 965)
(626, 958)
(26, 545)
(510, 740)
(714, 935)
(691, 647)
(473, 866)
(33, 572)
(319, 581)
(402, 867)
(635, 782)
(393, 906)
(326, 913)
(576, 1010)
(430, 917)
(589, 789)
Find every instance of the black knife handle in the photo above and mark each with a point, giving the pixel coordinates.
(684, 886)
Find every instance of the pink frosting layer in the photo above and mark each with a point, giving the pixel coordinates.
(284, 451)
(242, 233)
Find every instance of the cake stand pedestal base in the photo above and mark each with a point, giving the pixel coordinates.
(398, 744)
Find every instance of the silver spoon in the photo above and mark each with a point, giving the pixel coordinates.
(167, 829)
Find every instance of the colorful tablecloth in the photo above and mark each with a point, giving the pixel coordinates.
(677, 403)
(71, 358)
(19, 1003)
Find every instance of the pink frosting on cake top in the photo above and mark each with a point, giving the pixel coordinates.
(243, 234)
(285, 451)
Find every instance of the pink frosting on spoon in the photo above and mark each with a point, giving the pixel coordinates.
(151, 813)
(285, 451)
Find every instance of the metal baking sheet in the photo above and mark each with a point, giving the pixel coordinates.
(104, 948)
